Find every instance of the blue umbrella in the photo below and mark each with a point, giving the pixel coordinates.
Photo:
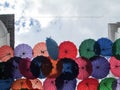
(100, 67)
(105, 46)
(52, 48)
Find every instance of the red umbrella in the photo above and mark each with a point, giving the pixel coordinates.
(67, 49)
(85, 68)
(40, 49)
(88, 84)
(6, 52)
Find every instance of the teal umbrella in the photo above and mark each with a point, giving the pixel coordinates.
(89, 48)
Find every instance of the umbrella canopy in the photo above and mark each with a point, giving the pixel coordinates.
(105, 46)
(67, 49)
(115, 66)
(116, 49)
(85, 68)
(40, 49)
(49, 84)
(117, 85)
(100, 67)
(23, 51)
(89, 48)
(5, 84)
(68, 67)
(6, 52)
(107, 83)
(52, 48)
(88, 84)
(24, 66)
(41, 66)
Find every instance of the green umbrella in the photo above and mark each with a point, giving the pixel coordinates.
(107, 84)
(89, 48)
(116, 49)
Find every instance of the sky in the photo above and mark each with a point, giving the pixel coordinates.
(62, 20)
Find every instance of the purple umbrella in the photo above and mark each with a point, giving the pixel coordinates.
(23, 51)
(100, 66)
(118, 84)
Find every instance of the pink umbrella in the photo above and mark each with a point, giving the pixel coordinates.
(85, 68)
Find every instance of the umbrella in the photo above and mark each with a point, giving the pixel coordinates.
(105, 46)
(85, 68)
(115, 66)
(100, 66)
(89, 48)
(52, 48)
(107, 83)
(49, 84)
(5, 84)
(67, 49)
(116, 49)
(24, 67)
(23, 51)
(41, 66)
(21, 84)
(88, 84)
(6, 52)
(68, 67)
(117, 84)
(40, 49)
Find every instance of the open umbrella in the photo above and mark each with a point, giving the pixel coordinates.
(24, 66)
(40, 49)
(5, 84)
(67, 49)
(41, 66)
(89, 48)
(6, 52)
(115, 66)
(116, 49)
(105, 46)
(85, 68)
(68, 67)
(49, 84)
(117, 84)
(100, 67)
(106, 84)
(52, 48)
(88, 84)
(23, 51)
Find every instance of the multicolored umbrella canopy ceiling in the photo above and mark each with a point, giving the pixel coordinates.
(85, 68)
(67, 49)
(52, 48)
(89, 48)
(100, 67)
(6, 52)
(105, 46)
(23, 51)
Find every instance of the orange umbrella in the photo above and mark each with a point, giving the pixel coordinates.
(6, 52)
(40, 49)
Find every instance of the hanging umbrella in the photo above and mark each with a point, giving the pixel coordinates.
(100, 67)
(107, 83)
(69, 68)
(41, 66)
(49, 84)
(23, 51)
(5, 84)
(88, 84)
(40, 49)
(117, 85)
(115, 66)
(85, 68)
(21, 84)
(24, 66)
(116, 49)
(89, 48)
(105, 46)
(52, 48)
(67, 49)
(6, 52)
